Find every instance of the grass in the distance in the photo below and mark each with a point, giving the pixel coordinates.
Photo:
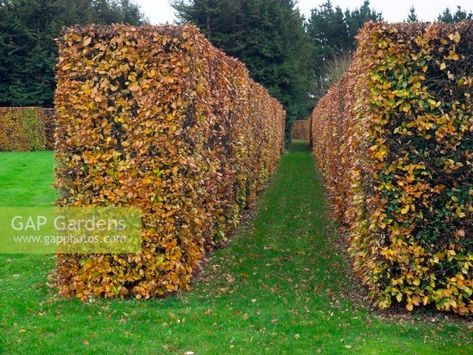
(26, 179)
(277, 287)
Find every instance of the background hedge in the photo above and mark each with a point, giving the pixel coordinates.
(301, 130)
(26, 128)
(49, 120)
(394, 141)
(157, 118)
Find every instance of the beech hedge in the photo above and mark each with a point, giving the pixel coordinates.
(26, 128)
(155, 117)
(301, 130)
(394, 142)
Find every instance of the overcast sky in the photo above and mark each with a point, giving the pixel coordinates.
(159, 11)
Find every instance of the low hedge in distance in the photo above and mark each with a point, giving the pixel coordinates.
(394, 141)
(301, 130)
(49, 120)
(157, 118)
(26, 128)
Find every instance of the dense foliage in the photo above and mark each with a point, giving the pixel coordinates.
(269, 37)
(333, 32)
(301, 130)
(26, 128)
(394, 141)
(49, 119)
(27, 49)
(158, 118)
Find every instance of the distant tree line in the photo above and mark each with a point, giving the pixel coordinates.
(458, 16)
(446, 16)
(296, 58)
(27, 47)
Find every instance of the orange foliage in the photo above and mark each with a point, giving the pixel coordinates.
(26, 128)
(301, 130)
(157, 118)
(394, 143)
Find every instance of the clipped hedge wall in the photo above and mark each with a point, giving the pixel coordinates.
(301, 130)
(157, 118)
(49, 120)
(26, 128)
(394, 142)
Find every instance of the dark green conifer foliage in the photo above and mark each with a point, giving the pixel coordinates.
(27, 49)
(333, 33)
(269, 36)
(412, 17)
(459, 15)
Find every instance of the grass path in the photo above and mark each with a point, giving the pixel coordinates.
(279, 286)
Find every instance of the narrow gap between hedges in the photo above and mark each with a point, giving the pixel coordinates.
(288, 248)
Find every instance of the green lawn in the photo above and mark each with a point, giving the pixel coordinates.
(280, 286)
(26, 179)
